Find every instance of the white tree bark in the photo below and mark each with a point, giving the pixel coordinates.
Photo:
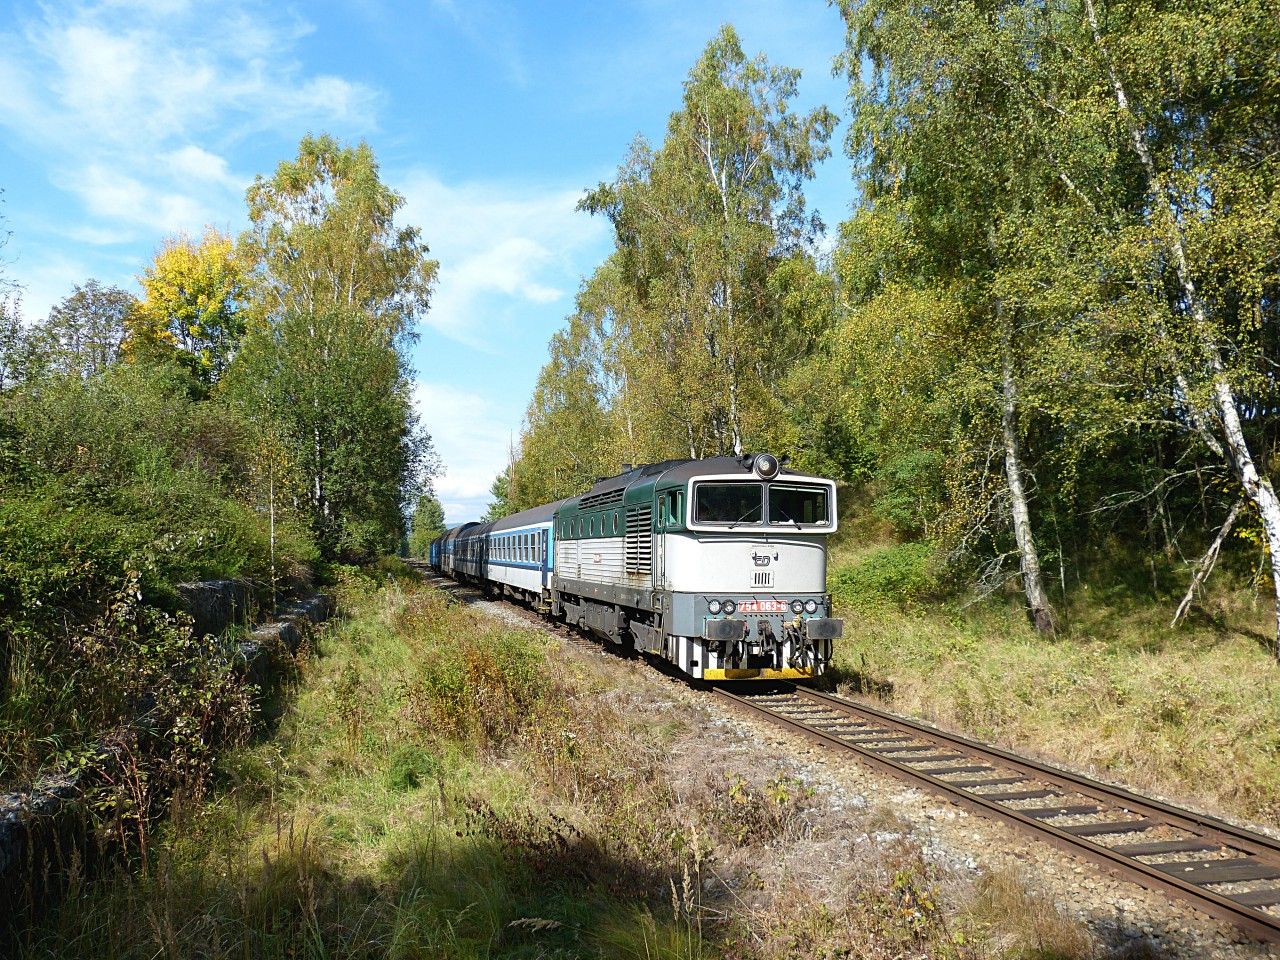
(1257, 488)
(1032, 579)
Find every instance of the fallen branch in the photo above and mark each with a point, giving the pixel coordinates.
(1205, 565)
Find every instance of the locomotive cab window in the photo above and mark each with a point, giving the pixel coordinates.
(798, 505)
(731, 503)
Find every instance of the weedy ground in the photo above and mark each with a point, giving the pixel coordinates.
(1191, 712)
(443, 787)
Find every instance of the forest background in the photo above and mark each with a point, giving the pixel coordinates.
(1040, 355)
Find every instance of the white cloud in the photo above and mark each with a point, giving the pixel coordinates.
(199, 164)
(136, 103)
(498, 246)
(472, 433)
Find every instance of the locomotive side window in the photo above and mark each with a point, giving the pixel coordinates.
(798, 505)
(731, 503)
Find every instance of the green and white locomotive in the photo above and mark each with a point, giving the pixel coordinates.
(718, 565)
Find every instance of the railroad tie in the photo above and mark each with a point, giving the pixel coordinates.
(1157, 847)
(1110, 826)
(1047, 813)
(1201, 872)
(1017, 795)
(1258, 898)
(986, 782)
(938, 758)
(906, 747)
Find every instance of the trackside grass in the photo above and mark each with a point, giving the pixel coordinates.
(1192, 713)
(441, 787)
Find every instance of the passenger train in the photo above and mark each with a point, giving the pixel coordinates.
(718, 565)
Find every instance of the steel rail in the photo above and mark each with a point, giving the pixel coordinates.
(906, 749)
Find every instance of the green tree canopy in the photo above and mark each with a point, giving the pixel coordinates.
(84, 332)
(337, 285)
(426, 524)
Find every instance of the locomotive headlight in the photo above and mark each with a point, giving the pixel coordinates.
(714, 606)
(797, 606)
(729, 607)
(811, 606)
(767, 465)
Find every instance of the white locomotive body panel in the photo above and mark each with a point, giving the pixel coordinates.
(598, 560)
(734, 563)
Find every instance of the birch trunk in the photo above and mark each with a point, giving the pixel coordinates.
(1032, 579)
(1257, 488)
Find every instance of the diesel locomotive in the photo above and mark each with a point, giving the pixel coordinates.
(718, 565)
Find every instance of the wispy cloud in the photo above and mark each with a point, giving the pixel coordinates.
(499, 247)
(138, 103)
(488, 26)
(470, 436)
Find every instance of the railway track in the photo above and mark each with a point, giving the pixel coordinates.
(1222, 870)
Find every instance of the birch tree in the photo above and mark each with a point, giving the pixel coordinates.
(337, 285)
(702, 224)
(1195, 94)
(946, 177)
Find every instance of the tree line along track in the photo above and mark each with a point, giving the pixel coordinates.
(1227, 872)
(1224, 871)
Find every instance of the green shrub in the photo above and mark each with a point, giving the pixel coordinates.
(897, 575)
(909, 491)
(123, 484)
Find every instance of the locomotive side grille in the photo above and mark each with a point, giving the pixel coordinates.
(638, 546)
(593, 501)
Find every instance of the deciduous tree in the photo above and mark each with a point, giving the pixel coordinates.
(85, 330)
(426, 525)
(195, 298)
(705, 226)
(337, 285)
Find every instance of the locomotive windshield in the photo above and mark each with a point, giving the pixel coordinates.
(729, 503)
(797, 505)
(743, 504)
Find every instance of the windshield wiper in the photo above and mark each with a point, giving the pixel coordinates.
(743, 517)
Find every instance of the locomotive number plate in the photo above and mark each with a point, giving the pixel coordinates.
(763, 606)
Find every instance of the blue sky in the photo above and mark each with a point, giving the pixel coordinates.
(125, 121)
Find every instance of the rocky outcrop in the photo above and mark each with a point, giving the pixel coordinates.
(216, 605)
